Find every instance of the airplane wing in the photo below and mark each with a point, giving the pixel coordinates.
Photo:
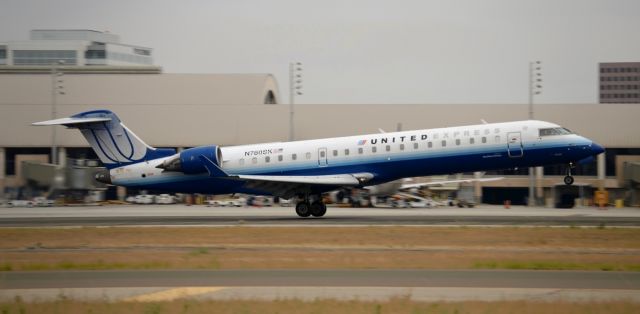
(438, 183)
(289, 186)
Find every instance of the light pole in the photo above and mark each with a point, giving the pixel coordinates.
(295, 88)
(57, 88)
(535, 88)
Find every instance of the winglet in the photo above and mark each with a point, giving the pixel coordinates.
(212, 168)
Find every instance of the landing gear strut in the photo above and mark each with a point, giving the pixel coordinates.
(568, 179)
(315, 208)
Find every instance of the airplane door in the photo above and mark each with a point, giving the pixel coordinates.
(514, 144)
(322, 157)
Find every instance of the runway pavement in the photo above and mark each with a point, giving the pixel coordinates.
(423, 285)
(181, 215)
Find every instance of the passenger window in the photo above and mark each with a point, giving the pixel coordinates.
(429, 144)
(484, 139)
(497, 138)
(444, 143)
(346, 152)
(360, 150)
(267, 158)
(308, 155)
(458, 141)
(280, 158)
(401, 146)
(388, 148)
(322, 153)
(294, 156)
(374, 149)
(335, 152)
(415, 145)
(472, 140)
(254, 160)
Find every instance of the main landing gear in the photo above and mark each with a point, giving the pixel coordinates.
(307, 207)
(568, 179)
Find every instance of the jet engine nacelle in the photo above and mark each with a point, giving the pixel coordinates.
(189, 160)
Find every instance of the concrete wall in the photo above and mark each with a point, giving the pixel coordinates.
(612, 125)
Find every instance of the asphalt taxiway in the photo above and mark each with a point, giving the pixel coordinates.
(182, 215)
(421, 285)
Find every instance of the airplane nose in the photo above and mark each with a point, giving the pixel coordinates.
(596, 149)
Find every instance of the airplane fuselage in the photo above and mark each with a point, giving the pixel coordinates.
(388, 156)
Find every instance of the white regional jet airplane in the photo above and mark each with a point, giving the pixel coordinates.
(308, 168)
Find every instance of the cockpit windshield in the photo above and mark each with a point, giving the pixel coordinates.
(554, 131)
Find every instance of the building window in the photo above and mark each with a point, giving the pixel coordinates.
(44, 57)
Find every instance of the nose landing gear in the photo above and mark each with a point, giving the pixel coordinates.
(568, 179)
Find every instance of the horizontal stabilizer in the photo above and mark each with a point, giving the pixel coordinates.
(72, 121)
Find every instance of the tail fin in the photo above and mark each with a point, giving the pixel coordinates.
(112, 141)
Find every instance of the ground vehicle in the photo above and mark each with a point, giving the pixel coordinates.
(144, 199)
(20, 203)
(42, 202)
(230, 202)
(165, 199)
(260, 201)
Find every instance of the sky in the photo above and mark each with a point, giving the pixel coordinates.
(367, 51)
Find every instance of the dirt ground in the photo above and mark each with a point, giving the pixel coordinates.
(319, 247)
(320, 306)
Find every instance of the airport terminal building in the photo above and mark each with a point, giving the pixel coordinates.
(187, 110)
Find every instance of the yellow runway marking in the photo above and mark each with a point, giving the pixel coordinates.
(172, 294)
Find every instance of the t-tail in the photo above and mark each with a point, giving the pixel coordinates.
(112, 141)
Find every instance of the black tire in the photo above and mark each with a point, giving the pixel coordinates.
(568, 180)
(318, 209)
(303, 209)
